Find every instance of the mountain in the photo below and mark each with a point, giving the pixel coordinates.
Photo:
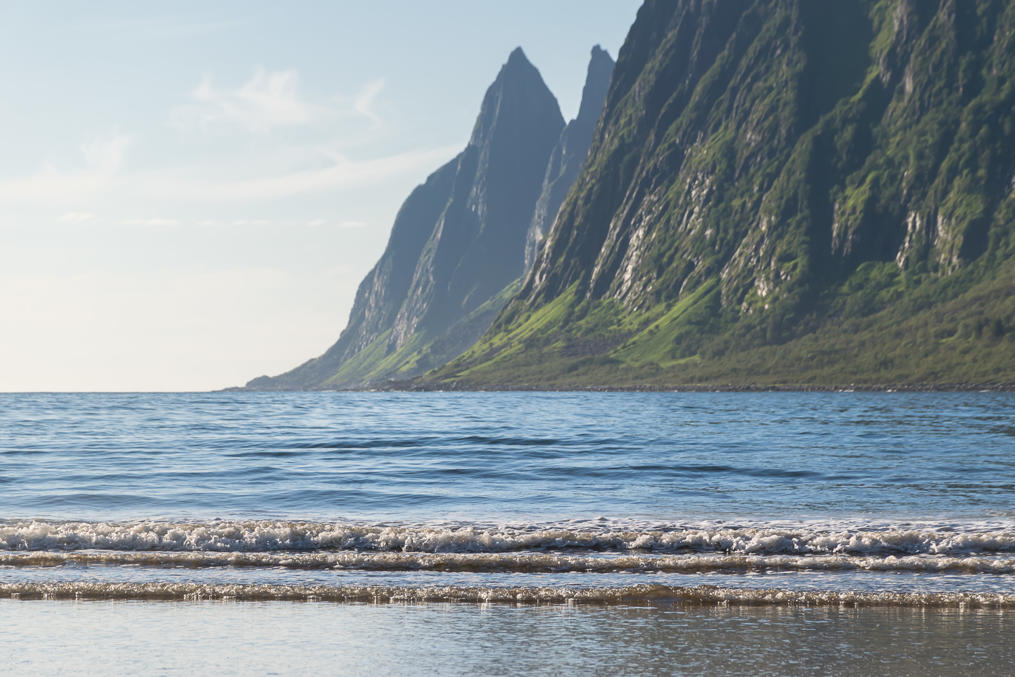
(782, 193)
(458, 244)
(568, 156)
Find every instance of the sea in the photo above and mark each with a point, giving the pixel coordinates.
(507, 533)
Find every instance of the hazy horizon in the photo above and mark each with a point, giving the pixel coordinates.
(190, 197)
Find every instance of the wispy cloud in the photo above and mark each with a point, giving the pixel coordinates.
(269, 99)
(365, 99)
(77, 217)
(151, 222)
(102, 180)
(352, 225)
(103, 159)
(105, 155)
(340, 174)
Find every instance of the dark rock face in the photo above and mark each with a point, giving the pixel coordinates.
(569, 154)
(759, 161)
(477, 247)
(775, 142)
(382, 292)
(458, 241)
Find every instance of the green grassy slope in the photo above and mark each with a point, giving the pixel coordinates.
(948, 333)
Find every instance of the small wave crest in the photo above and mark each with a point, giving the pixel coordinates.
(274, 536)
(528, 563)
(634, 594)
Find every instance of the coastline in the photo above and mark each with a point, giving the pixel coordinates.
(457, 386)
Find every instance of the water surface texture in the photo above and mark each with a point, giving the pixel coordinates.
(129, 638)
(508, 456)
(866, 499)
(691, 532)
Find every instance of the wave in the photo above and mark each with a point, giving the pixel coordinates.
(519, 563)
(276, 536)
(627, 595)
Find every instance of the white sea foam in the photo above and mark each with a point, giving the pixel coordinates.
(274, 536)
(634, 594)
(519, 562)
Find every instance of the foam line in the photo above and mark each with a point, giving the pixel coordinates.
(635, 594)
(274, 536)
(519, 562)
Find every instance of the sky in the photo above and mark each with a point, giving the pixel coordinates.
(190, 192)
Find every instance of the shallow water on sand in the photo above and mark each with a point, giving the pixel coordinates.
(226, 638)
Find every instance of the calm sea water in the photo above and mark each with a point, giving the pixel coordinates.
(658, 507)
(508, 456)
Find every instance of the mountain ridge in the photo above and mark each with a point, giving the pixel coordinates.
(459, 241)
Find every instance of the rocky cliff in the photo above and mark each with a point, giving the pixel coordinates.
(783, 192)
(568, 156)
(458, 244)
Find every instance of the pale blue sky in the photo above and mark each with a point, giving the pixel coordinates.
(190, 192)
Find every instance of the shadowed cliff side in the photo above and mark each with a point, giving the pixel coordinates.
(457, 244)
(568, 156)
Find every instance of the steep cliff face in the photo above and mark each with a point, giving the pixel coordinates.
(569, 154)
(457, 243)
(382, 292)
(476, 248)
(764, 171)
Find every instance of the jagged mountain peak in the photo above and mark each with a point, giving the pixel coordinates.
(571, 150)
(456, 247)
(517, 57)
(597, 82)
(518, 69)
(518, 96)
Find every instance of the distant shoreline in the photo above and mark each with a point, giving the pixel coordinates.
(705, 388)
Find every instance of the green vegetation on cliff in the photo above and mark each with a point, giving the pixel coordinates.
(783, 193)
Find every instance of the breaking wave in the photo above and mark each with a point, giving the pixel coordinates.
(267, 536)
(627, 595)
(529, 563)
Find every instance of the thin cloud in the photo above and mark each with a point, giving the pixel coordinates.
(269, 99)
(352, 225)
(341, 174)
(364, 101)
(252, 222)
(77, 217)
(103, 159)
(105, 155)
(151, 222)
(103, 180)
